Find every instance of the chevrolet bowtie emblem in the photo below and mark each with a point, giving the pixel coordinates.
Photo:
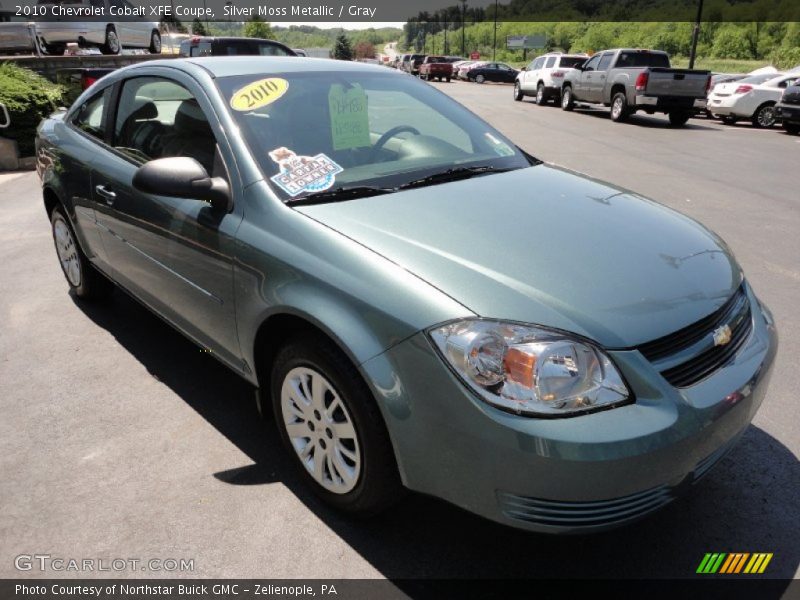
(722, 335)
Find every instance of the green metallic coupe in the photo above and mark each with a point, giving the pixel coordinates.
(424, 305)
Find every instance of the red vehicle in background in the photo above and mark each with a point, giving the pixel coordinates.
(437, 67)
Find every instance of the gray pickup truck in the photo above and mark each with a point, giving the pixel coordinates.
(629, 80)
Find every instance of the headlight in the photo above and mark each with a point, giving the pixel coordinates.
(530, 370)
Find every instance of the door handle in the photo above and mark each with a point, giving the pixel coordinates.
(105, 193)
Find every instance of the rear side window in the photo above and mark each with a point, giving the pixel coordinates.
(570, 62)
(550, 62)
(90, 117)
(643, 59)
(604, 62)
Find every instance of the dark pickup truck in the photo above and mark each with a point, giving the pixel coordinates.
(436, 67)
(630, 80)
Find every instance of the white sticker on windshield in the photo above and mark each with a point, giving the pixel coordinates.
(303, 173)
(500, 147)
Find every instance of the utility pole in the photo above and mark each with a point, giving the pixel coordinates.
(494, 43)
(445, 31)
(463, 28)
(695, 34)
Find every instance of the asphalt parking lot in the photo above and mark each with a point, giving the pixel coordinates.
(120, 439)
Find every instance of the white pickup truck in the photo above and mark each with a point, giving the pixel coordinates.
(630, 80)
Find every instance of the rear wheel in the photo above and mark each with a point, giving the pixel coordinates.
(540, 97)
(619, 108)
(678, 118)
(447, 79)
(329, 422)
(517, 92)
(567, 100)
(480, 79)
(792, 128)
(82, 277)
(764, 117)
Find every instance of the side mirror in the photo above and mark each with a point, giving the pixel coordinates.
(183, 177)
(524, 69)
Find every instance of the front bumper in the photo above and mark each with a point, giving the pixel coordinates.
(575, 474)
(788, 113)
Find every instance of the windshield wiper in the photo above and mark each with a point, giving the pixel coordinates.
(341, 193)
(453, 175)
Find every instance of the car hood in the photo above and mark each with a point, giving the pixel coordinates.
(542, 245)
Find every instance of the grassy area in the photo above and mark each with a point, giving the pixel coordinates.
(720, 65)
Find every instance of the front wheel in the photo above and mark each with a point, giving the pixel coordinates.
(567, 100)
(86, 282)
(330, 423)
(480, 79)
(112, 45)
(678, 118)
(517, 91)
(764, 117)
(619, 107)
(155, 42)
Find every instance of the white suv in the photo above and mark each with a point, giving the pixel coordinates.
(544, 75)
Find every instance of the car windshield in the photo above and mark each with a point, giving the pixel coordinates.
(756, 79)
(329, 130)
(642, 59)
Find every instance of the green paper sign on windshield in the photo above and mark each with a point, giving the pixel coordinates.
(349, 121)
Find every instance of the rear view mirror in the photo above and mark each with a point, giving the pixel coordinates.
(183, 177)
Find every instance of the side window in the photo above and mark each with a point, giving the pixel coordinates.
(532, 65)
(89, 118)
(550, 62)
(592, 64)
(537, 64)
(158, 118)
(604, 62)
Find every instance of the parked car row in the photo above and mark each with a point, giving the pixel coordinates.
(755, 98)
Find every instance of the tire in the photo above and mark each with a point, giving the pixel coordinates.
(84, 280)
(112, 45)
(678, 118)
(728, 120)
(357, 446)
(518, 95)
(567, 100)
(540, 97)
(792, 128)
(764, 117)
(54, 49)
(480, 79)
(619, 108)
(155, 42)
(447, 79)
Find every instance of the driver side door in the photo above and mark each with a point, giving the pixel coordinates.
(176, 255)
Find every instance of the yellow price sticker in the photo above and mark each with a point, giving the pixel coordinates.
(259, 93)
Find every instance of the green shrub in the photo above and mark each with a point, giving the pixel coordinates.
(29, 97)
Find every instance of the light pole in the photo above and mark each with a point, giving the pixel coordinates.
(445, 31)
(463, 28)
(695, 34)
(494, 43)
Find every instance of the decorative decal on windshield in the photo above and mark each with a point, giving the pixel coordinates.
(349, 121)
(303, 173)
(259, 94)
(500, 147)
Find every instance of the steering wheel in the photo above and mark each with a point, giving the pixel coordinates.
(389, 135)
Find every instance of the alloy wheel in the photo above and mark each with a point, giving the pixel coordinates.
(67, 252)
(321, 430)
(112, 41)
(616, 110)
(766, 116)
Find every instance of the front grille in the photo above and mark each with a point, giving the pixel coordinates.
(583, 514)
(735, 313)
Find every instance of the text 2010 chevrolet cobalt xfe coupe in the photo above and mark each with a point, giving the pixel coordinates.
(423, 304)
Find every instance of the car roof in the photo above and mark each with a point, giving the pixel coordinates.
(226, 66)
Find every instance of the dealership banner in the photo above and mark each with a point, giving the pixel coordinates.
(391, 10)
(381, 589)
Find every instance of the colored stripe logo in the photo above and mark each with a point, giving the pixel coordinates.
(734, 563)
